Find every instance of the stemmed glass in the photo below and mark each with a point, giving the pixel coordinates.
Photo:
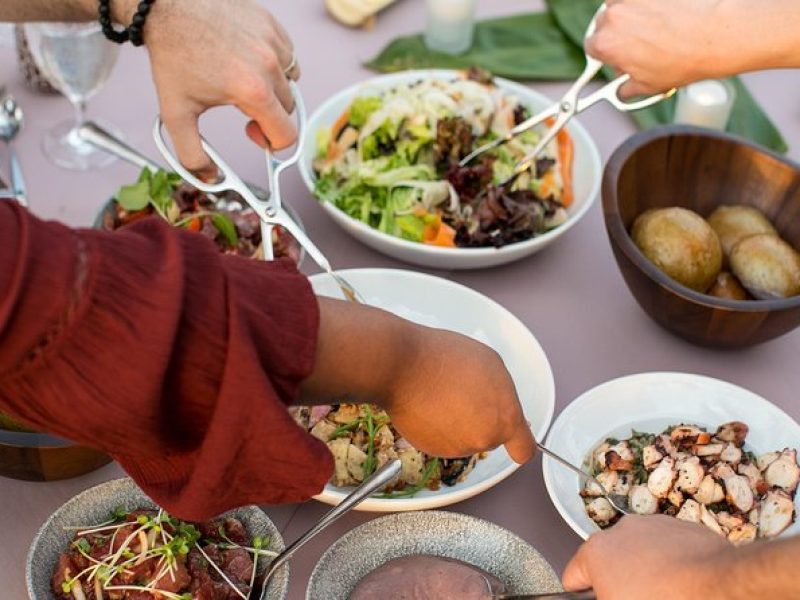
(77, 59)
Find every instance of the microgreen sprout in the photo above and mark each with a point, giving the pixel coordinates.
(220, 571)
(257, 543)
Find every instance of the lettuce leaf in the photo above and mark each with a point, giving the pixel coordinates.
(362, 109)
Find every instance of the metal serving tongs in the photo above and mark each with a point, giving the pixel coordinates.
(269, 209)
(570, 105)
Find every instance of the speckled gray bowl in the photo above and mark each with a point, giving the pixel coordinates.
(94, 506)
(475, 541)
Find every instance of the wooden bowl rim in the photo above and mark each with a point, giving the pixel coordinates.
(34, 440)
(616, 228)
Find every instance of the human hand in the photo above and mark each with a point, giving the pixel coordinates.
(206, 53)
(447, 394)
(457, 398)
(650, 557)
(661, 45)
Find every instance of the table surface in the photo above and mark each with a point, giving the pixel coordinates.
(571, 296)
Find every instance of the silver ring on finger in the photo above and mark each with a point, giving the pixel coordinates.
(288, 70)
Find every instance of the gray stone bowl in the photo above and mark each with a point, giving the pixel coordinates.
(94, 506)
(469, 539)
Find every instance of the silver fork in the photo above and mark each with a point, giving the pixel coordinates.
(618, 501)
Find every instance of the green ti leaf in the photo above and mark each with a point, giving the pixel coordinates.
(526, 46)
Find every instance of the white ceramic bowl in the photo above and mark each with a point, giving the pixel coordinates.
(652, 402)
(440, 303)
(586, 177)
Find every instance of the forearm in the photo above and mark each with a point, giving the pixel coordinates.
(762, 570)
(360, 351)
(758, 36)
(62, 10)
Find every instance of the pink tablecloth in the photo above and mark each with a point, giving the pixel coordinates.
(570, 296)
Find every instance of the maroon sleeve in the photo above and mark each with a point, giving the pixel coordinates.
(179, 362)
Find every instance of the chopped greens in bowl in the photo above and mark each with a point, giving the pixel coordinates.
(390, 161)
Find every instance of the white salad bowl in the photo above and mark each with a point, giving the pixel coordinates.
(440, 303)
(587, 175)
(651, 402)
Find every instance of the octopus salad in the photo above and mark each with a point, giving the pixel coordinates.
(697, 476)
(149, 555)
(362, 439)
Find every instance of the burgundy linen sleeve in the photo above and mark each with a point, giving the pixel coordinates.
(179, 362)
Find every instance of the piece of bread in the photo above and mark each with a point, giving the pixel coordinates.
(355, 13)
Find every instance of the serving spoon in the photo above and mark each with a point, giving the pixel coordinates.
(105, 140)
(618, 501)
(375, 482)
(583, 595)
(11, 119)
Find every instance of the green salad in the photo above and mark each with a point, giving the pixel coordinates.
(391, 161)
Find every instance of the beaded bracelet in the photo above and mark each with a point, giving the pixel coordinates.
(134, 33)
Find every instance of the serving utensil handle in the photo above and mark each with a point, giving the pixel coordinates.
(17, 180)
(375, 482)
(97, 136)
(584, 595)
(564, 462)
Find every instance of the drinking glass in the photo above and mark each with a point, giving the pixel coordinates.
(77, 59)
(451, 25)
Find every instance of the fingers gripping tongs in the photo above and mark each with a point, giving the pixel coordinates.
(268, 209)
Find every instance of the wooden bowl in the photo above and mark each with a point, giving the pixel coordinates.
(700, 170)
(40, 457)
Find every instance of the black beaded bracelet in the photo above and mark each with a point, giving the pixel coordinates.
(134, 33)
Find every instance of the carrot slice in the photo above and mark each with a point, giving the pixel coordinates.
(566, 156)
(439, 234)
(194, 225)
(566, 159)
(340, 124)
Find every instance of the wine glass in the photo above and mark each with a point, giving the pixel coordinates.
(77, 59)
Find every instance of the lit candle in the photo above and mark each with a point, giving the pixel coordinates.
(451, 24)
(706, 104)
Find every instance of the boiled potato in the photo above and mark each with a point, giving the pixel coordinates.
(728, 287)
(681, 244)
(767, 266)
(734, 223)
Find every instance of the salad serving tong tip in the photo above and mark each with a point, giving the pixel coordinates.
(565, 109)
(269, 209)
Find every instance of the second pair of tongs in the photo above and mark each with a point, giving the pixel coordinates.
(570, 105)
(268, 209)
